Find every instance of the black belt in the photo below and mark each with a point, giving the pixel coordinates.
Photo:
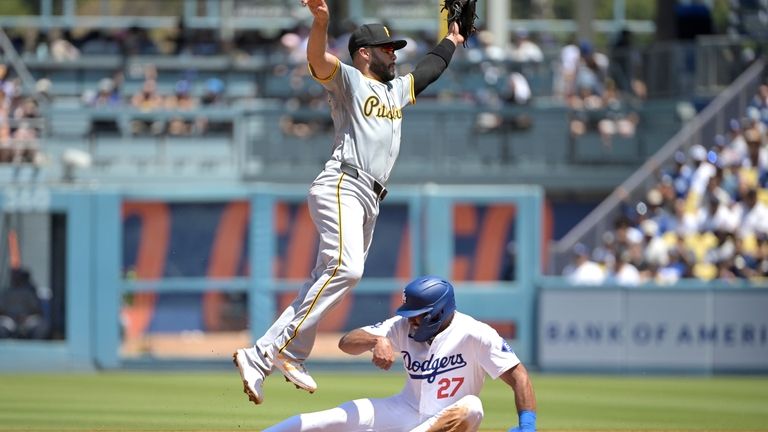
(352, 171)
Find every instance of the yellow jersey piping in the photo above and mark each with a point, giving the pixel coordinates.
(329, 77)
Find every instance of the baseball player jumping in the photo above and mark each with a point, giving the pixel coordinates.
(446, 355)
(366, 102)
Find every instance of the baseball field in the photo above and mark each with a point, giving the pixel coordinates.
(213, 401)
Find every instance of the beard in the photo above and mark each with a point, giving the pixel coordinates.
(382, 70)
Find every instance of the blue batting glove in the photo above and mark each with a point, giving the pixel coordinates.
(527, 422)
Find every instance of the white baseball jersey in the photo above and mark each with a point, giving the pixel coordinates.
(454, 365)
(441, 376)
(367, 115)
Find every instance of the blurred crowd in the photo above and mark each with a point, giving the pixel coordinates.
(602, 91)
(187, 95)
(706, 217)
(20, 119)
(594, 85)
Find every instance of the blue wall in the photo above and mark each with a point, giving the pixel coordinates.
(178, 245)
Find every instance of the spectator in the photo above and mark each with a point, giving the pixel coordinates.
(146, 100)
(661, 205)
(181, 39)
(515, 92)
(523, 49)
(760, 100)
(756, 161)
(3, 74)
(62, 50)
(626, 65)
(671, 271)
(616, 119)
(99, 42)
(41, 49)
(591, 71)
(744, 264)
(106, 95)
(762, 257)
(605, 252)
(736, 143)
(656, 250)
(43, 88)
(589, 101)
(26, 117)
(584, 271)
(205, 42)
(702, 172)
(565, 74)
(136, 41)
(693, 18)
(25, 144)
(214, 93)
(6, 151)
(754, 221)
(682, 257)
(626, 234)
(27, 109)
(181, 100)
(707, 220)
(625, 272)
(213, 96)
(21, 309)
(681, 174)
(486, 50)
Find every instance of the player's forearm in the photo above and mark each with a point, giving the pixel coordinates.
(518, 379)
(525, 400)
(433, 65)
(357, 342)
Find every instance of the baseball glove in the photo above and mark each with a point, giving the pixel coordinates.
(463, 13)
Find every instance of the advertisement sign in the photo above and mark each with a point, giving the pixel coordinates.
(632, 329)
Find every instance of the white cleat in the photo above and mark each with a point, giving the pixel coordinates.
(253, 378)
(296, 373)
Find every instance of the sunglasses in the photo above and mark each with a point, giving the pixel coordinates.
(387, 49)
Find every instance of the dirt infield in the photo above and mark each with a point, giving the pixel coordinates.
(200, 345)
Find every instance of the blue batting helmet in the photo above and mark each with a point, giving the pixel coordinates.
(432, 297)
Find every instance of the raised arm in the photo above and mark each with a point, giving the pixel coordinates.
(359, 341)
(525, 400)
(320, 60)
(436, 61)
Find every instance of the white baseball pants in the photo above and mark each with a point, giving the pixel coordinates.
(390, 414)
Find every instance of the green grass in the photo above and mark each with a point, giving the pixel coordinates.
(166, 401)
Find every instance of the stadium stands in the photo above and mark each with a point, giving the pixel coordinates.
(696, 214)
(252, 113)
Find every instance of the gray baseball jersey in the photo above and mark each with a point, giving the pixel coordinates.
(368, 116)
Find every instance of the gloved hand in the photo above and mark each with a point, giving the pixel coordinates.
(462, 12)
(527, 420)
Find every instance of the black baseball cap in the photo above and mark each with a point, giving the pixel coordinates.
(372, 35)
